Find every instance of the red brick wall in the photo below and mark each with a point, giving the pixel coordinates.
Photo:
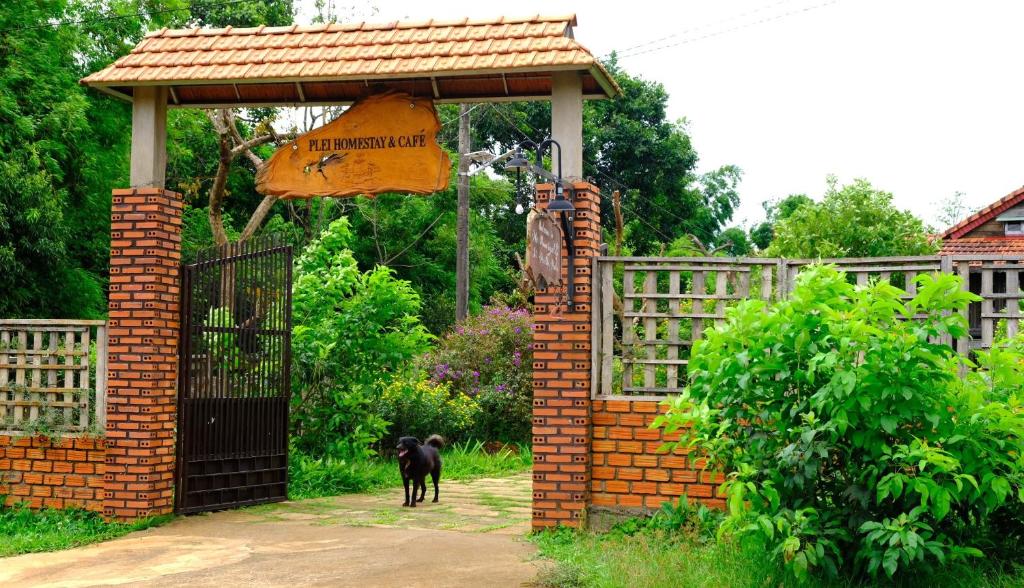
(628, 470)
(145, 253)
(561, 377)
(56, 473)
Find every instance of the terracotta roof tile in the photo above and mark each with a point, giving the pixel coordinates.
(983, 245)
(356, 50)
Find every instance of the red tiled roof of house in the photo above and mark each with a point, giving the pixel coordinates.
(983, 246)
(497, 48)
(961, 229)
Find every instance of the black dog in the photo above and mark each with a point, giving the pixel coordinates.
(415, 461)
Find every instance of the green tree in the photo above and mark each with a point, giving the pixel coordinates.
(734, 240)
(775, 211)
(630, 144)
(856, 220)
(415, 236)
(63, 152)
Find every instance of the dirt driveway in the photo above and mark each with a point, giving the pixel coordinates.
(473, 537)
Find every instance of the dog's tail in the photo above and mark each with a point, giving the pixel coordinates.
(435, 440)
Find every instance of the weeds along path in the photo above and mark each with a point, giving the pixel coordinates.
(474, 536)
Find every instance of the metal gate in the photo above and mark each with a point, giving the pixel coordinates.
(234, 377)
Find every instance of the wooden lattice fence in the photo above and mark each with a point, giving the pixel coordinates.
(649, 310)
(52, 376)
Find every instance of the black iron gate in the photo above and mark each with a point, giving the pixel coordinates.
(234, 377)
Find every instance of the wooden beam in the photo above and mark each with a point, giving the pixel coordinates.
(302, 95)
(149, 138)
(437, 91)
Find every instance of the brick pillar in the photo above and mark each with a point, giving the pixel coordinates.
(145, 254)
(561, 376)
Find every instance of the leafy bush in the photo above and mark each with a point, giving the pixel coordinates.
(504, 416)
(352, 330)
(488, 357)
(851, 442)
(421, 408)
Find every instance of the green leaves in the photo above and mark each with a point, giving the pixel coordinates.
(856, 220)
(844, 427)
(353, 330)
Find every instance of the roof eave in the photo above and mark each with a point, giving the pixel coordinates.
(599, 73)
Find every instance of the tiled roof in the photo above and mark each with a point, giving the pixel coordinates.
(983, 245)
(964, 227)
(361, 51)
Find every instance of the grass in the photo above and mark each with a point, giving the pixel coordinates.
(655, 559)
(313, 478)
(23, 530)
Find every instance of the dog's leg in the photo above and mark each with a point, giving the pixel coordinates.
(423, 488)
(405, 481)
(412, 499)
(434, 475)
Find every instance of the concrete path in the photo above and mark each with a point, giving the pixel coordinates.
(473, 537)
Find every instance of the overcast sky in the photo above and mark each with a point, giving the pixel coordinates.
(922, 97)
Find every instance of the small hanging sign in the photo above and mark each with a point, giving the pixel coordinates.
(382, 143)
(543, 250)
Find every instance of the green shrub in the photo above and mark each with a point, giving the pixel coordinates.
(353, 331)
(503, 416)
(851, 444)
(421, 408)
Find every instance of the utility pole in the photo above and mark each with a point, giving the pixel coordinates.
(462, 221)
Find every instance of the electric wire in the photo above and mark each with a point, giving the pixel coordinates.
(730, 29)
(707, 25)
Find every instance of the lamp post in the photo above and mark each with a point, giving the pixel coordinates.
(564, 208)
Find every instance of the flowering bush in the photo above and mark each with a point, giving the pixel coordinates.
(488, 357)
(422, 408)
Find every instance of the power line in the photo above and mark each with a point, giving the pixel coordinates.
(123, 16)
(731, 29)
(699, 27)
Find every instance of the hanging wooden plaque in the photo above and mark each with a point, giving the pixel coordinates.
(543, 250)
(382, 143)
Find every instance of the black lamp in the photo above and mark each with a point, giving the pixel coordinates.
(559, 205)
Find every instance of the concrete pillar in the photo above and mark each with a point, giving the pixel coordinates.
(561, 375)
(149, 137)
(567, 122)
(142, 367)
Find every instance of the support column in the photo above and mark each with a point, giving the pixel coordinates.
(149, 137)
(567, 121)
(145, 256)
(561, 375)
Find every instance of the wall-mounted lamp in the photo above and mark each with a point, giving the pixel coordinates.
(520, 163)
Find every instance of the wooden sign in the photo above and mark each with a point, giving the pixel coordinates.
(383, 143)
(543, 249)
